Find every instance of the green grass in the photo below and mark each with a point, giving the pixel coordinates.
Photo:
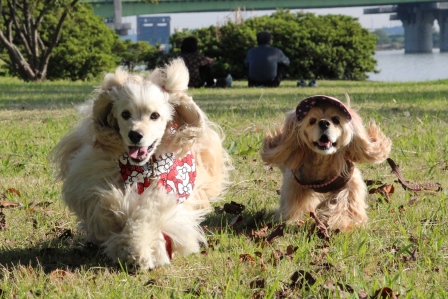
(404, 247)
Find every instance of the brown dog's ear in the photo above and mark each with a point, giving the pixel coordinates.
(283, 147)
(105, 124)
(367, 146)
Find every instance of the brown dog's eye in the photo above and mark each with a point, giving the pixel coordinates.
(312, 121)
(154, 115)
(126, 115)
(335, 120)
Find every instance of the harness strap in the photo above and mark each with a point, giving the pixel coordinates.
(333, 184)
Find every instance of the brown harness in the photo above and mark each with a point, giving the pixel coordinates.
(333, 184)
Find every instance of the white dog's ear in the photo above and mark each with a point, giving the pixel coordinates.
(367, 146)
(105, 125)
(188, 118)
(172, 78)
(189, 122)
(283, 147)
(102, 113)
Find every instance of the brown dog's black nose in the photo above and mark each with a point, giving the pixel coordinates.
(324, 124)
(135, 136)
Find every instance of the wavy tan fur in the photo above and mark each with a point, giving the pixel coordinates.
(129, 226)
(292, 148)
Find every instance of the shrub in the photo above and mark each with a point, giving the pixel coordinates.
(321, 47)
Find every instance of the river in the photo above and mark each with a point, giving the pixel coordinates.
(396, 66)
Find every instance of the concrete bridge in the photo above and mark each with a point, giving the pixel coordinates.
(417, 16)
(418, 20)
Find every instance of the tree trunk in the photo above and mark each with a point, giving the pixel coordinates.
(28, 49)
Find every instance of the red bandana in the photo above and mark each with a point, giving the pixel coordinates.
(176, 175)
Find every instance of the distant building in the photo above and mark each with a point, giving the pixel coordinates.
(154, 30)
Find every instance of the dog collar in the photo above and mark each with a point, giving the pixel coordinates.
(175, 175)
(333, 184)
(305, 106)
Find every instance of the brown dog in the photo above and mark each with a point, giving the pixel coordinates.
(316, 148)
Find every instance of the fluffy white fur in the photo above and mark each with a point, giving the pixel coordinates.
(127, 224)
(298, 146)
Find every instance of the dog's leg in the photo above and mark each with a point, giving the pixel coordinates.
(347, 208)
(295, 201)
(157, 216)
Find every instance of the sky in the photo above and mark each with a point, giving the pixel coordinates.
(206, 19)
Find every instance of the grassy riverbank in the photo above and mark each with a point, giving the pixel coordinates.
(404, 246)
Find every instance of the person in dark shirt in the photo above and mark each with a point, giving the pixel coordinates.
(266, 64)
(198, 65)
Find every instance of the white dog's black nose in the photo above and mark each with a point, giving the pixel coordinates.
(135, 136)
(324, 124)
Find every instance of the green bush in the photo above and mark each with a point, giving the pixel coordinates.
(320, 47)
(87, 47)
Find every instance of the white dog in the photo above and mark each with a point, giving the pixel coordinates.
(143, 148)
(316, 148)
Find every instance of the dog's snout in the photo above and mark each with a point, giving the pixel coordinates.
(324, 124)
(135, 136)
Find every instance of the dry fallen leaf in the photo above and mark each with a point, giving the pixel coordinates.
(302, 279)
(245, 257)
(322, 231)
(8, 204)
(3, 225)
(58, 274)
(385, 293)
(413, 201)
(338, 289)
(258, 295)
(257, 283)
(363, 294)
(384, 190)
(277, 256)
(260, 234)
(150, 282)
(233, 208)
(262, 263)
(12, 192)
(66, 234)
(278, 231)
(290, 251)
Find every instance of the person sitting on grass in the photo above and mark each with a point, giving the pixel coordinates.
(266, 64)
(198, 65)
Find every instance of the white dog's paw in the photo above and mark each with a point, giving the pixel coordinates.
(121, 248)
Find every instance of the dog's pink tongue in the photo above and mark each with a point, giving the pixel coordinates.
(135, 152)
(326, 144)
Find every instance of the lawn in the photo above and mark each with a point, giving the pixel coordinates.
(402, 251)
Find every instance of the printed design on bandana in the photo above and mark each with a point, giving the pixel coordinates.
(176, 175)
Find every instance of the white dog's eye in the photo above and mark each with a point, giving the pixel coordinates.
(312, 121)
(154, 115)
(335, 120)
(126, 114)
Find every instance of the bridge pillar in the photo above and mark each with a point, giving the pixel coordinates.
(442, 19)
(418, 25)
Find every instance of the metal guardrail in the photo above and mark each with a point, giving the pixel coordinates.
(104, 8)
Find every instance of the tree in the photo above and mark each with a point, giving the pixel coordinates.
(134, 54)
(87, 47)
(320, 47)
(28, 48)
(382, 37)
